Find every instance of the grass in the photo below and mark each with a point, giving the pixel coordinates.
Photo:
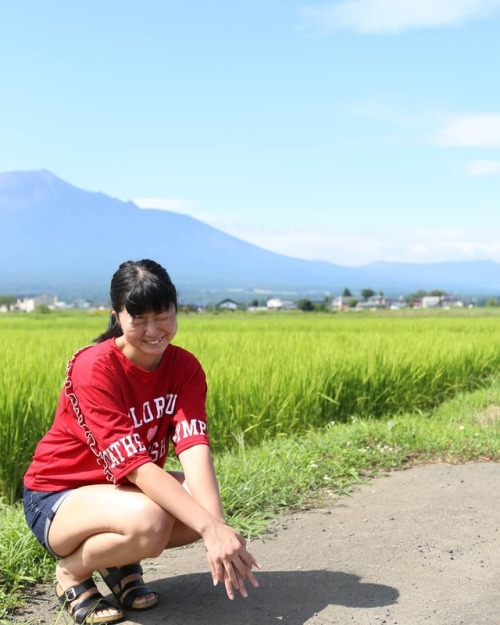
(297, 472)
(23, 562)
(294, 472)
(268, 375)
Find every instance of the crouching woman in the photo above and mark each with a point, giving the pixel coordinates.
(96, 495)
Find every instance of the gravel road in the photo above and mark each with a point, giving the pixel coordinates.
(419, 546)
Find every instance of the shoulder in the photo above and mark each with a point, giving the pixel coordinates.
(91, 359)
(181, 355)
(93, 353)
(183, 363)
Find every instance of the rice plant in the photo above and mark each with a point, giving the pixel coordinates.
(268, 375)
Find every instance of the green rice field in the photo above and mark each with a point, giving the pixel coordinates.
(269, 375)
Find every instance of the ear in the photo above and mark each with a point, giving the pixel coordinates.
(114, 316)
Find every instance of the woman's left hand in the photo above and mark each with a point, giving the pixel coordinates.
(229, 584)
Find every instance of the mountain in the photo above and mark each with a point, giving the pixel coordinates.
(56, 238)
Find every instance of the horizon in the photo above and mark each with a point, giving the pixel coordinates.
(353, 132)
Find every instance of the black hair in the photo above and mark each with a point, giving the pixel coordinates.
(139, 287)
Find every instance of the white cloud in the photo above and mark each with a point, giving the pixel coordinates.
(165, 204)
(462, 130)
(318, 244)
(484, 168)
(355, 248)
(478, 130)
(436, 245)
(428, 245)
(311, 243)
(395, 16)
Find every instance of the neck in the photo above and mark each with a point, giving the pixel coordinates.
(144, 361)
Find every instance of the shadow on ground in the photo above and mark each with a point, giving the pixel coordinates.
(290, 597)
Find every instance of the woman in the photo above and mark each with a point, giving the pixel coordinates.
(96, 495)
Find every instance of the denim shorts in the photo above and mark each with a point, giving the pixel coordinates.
(39, 511)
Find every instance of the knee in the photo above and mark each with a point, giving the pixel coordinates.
(150, 528)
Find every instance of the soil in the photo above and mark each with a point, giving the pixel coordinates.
(420, 546)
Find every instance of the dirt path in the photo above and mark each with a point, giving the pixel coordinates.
(420, 546)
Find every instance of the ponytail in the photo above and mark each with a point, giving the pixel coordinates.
(113, 331)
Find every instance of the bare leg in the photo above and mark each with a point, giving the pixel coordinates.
(103, 525)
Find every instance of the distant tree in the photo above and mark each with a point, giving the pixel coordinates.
(42, 309)
(414, 297)
(437, 293)
(7, 300)
(254, 303)
(352, 302)
(305, 304)
(367, 293)
(346, 293)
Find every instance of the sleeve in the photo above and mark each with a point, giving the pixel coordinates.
(189, 423)
(99, 417)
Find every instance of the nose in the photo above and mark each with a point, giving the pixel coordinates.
(151, 328)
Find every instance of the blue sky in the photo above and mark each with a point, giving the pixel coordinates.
(350, 131)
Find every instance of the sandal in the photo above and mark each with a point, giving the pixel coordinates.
(83, 611)
(127, 593)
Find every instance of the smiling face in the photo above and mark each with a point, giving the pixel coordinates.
(145, 337)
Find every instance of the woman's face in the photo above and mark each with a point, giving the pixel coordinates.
(147, 336)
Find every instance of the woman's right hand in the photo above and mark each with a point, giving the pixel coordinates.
(228, 559)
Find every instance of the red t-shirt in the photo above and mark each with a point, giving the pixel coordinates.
(113, 417)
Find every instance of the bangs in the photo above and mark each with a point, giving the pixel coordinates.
(150, 295)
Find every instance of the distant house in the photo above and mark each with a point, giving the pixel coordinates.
(431, 301)
(400, 303)
(276, 303)
(199, 307)
(228, 304)
(81, 304)
(377, 302)
(342, 302)
(442, 301)
(30, 304)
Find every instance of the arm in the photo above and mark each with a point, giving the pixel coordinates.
(229, 560)
(201, 480)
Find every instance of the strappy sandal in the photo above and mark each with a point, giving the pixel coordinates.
(84, 611)
(127, 593)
